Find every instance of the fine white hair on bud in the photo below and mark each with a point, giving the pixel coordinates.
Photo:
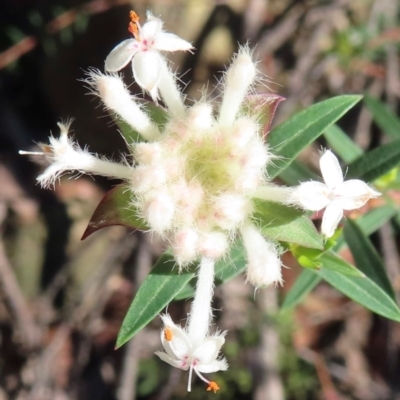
(276, 194)
(213, 245)
(263, 263)
(243, 131)
(147, 153)
(200, 116)
(184, 245)
(145, 178)
(231, 210)
(158, 211)
(116, 97)
(239, 77)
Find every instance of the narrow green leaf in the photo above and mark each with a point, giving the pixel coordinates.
(286, 224)
(343, 146)
(364, 291)
(304, 284)
(376, 162)
(156, 292)
(383, 116)
(330, 260)
(366, 257)
(368, 223)
(225, 270)
(289, 138)
(297, 172)
(375, 219)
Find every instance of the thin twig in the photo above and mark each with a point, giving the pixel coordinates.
(15, 300)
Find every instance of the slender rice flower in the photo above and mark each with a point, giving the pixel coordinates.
(335, 195)
(195, 178)
(148, 65)
(192, 348)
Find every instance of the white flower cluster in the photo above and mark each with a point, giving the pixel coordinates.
(193, 180)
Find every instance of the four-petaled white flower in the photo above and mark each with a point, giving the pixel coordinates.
(186, 353)
(335, 195)
(148, 65)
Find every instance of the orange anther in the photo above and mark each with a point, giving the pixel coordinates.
(133, 25)
(168, 334)
(132, 28)
(212, 386)
(133, 17)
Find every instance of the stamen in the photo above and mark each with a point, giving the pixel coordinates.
(168, 335)
(134, 17)
(133, 26)
(189, 387)
(213, 386)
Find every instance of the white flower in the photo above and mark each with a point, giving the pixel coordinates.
(193, 348)
(184, 353)
(65, 155)
(334, 195)
(147, 64)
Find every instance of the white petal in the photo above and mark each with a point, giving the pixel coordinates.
(332, 216)
(214, 366)
(331, 170)
(147, 71)
(353, 194)
(170, 42)
(209, 349)
(121, 55)
(150, 30)
(175, 363)
(311, 196)
(179, 346)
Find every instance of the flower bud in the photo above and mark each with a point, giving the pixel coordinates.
(230, 210)
(213, 245)
(145, 178)
(263, 263)
(159, 211)
(184, 245)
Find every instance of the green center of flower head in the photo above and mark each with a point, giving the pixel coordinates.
(209, 160)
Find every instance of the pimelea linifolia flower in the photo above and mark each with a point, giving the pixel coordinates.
(193, 348)
(335, 195)
(193, 180)
(148, 65)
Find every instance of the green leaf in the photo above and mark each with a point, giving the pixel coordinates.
(115, 208)
(289, 138)
(366, 257)
(304, 284)
(159, 288)
(225, 270)
(333, 262)
(286, 224)
(364, 291)
(376, 162)
(383, 116)
(368, 223)
(297, 172)
(343, 146)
